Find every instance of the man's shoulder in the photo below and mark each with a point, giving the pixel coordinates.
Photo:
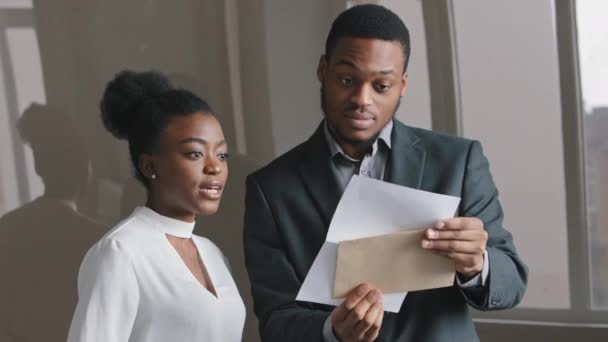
(431, 140)
(283, 166)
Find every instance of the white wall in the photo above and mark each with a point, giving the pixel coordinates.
(415, 107)
(295, 34)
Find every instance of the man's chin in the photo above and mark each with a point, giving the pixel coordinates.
(359, 137)
(353, 136)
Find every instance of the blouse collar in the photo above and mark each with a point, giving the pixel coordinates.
(166, 225)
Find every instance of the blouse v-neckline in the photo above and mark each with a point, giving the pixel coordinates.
(170, 226)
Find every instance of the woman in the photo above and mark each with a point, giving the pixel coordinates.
(149, 278)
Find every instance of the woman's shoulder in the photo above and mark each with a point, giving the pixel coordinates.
(127, 231)
(126, 234)
(109, 263)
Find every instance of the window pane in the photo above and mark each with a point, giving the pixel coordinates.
(593, 59)
(511, 103)
(14, 4)
(27, 72)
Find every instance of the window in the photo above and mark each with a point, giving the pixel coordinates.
(547, 141)
(20, 84)
(511, 103)
(593, 62)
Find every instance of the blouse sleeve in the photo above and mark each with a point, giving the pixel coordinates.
(108, 295)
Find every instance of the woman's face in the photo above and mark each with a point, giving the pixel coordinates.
(191, 166)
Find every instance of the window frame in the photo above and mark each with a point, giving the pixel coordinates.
(439, 22)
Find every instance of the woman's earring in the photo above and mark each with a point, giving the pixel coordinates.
(153, 176)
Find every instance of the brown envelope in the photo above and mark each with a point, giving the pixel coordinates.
(393, 263)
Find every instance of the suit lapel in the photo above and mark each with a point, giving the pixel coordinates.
(319, 179)
(407, 157)
(406, 166)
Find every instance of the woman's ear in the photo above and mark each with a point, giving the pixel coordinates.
(147, 166)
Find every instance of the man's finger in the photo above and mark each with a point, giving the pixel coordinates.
(356, 294)
(464, 263)
(454, 246)
(370, 318)
(456, 234)
(459, 223)
(358, 313)
(461, 258)
(372, 333)
(350, 301)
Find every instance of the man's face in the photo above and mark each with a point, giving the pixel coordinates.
(361, 85)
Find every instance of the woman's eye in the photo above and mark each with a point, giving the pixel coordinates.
(223, 156)
(194, 155)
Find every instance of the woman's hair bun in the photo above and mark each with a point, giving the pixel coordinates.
(124, 96)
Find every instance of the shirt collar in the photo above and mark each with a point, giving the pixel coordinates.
(164, 224)
(334, 147)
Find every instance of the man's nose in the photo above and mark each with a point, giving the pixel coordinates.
(362, 95)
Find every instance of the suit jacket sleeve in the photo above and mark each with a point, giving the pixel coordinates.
(274, 283)
(508, 275)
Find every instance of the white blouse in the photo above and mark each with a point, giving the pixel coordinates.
(134, 286)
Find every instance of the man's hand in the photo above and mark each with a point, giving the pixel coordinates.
(359, 317)
(461, 239)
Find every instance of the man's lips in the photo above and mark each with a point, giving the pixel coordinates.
(359, 116)
(360, 120)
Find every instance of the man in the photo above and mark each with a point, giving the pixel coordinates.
(290, 202)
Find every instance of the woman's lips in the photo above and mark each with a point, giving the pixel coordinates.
(211, 191)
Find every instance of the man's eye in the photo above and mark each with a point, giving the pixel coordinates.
(381, 88)
(223, 156)
(194, 155)
(346, 81)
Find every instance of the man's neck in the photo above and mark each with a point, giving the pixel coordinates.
(356, 151)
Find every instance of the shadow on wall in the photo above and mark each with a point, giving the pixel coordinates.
(43, 242)
(225, 228)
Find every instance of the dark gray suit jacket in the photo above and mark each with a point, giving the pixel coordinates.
(289, 205)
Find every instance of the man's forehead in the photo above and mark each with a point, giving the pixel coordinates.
(372, 48)
(377, 54)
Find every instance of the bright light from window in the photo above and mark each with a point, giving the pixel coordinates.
(15, 4)
(593, 60)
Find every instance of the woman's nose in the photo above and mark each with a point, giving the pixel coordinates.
(212, 168)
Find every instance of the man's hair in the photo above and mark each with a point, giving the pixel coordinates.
(369, 21)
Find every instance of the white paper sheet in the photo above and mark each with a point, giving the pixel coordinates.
(369, 208)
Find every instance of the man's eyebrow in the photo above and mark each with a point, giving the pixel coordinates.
(349, 63)
(387, 71)
(343, 61)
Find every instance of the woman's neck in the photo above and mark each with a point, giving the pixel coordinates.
(162, 208)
